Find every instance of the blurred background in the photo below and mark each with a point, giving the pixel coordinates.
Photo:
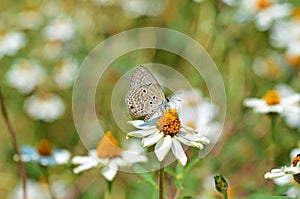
(255, 45)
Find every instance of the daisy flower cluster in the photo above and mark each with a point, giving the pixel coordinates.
(53, 61)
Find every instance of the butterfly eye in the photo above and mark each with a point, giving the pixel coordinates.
(153, 97)
(150, 102)
(144, 91)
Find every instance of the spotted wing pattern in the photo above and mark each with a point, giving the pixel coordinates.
(145, 96)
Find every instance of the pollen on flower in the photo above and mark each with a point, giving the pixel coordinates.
(296, 160)
(44, 148)
(263, 4)
(108, 146)
(169, 122)
(272, 97)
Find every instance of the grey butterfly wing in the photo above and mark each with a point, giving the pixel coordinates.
(145, 95)
(142, 76)
(145, 100)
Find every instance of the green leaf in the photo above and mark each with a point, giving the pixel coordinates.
(147, 177)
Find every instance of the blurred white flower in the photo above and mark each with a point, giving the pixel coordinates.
(40, 190)
(60, 28)
(35, 190)
(109, 156)
(270, 66)
(285, 32)
(64, 72)
(230, 2)
(30, 18)
(292, 112)
(11, 42)
(272, 102)
(138, 8)
(262, 12)
(44, 154)
(52, 49)
(199, 114)
(25, 75)
(167, 133)
(44, 106)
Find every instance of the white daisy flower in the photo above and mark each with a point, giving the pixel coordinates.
(11, 42)
(44, 106)
(293, 170)
(35, 190)
(292, 113)
(263, 12)
(138, 8)
(107, 156)
(25, 75)
(30, 18)
(64, 72)
(270, 66)
(61, 28)
(44, 154)
(167, 133)
(272, 102)
(199, 113)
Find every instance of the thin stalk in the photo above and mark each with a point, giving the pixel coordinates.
(225, 194)
(171, 194)
(15, 144)
(161, 181)
(108, 190)
(47, 175)
(273, 136)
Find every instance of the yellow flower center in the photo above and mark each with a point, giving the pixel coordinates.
(272, 97)
(263, 4)
(169, 122)
(296, 160)
(44, 148)
(293, 60)
(108, 146)
(296, 12)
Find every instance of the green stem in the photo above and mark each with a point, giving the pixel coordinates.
(225, 194)
(273, 135)
(47, 175)
(108, 190)
(161, 181)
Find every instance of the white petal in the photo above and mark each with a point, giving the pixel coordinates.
(140, 124)
(292, 99)
(189, 143)
(179, 152)
(85, 166)
(269, 109)
(81, 159)
(193, 137)
(281, 181)
(110, 172)
(291, 170)
(141, 133)
(254, 102)
(62, 156)
(152, 139)
(132, 157)
(270, 175)
(163, 147)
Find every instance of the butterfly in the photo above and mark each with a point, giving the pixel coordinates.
(145, 96)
